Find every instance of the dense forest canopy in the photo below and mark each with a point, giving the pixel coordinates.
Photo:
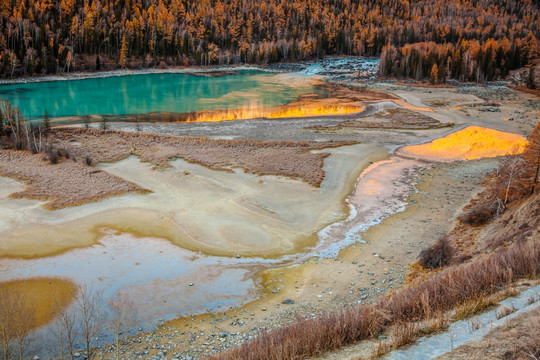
(48, 36)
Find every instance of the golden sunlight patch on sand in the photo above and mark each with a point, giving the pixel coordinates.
(473, 142)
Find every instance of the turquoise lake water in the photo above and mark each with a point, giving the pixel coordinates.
(142, 94)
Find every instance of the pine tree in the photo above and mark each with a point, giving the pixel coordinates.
(434, 75)
(532, 156)
(46, 122)
(124, 52)
(530, 79)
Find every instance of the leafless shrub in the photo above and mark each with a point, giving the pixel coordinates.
(65, 330)
(478, 215)
(91, 317)
(86, 121)
(52, 154)
(123, 318)
(437, 255)
(17, 319)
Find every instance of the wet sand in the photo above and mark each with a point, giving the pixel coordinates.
(154, 273)
(196, 208)
(38, 297)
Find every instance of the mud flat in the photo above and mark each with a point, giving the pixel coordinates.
(219, 213)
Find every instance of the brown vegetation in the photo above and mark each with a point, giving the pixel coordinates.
(401, 119)
(517, 339)
(478, 215)
(437, 255)
(67, 183)
(510, 204)
(47, 36)
(441, 292)
(465, 60)
(293, 159)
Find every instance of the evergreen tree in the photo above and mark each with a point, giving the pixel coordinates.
(124, 52)
(434, 74)
(46, 122)
(530, 79)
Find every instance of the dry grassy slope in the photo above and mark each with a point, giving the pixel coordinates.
(518, 339)
(519, 222)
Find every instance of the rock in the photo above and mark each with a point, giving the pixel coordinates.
(77, 355)
(35, 357)
(287, 301)
(190, 284)
(381, 337)
(263, 309)
(223, 333)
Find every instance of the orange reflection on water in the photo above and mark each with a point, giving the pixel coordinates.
(274, 113)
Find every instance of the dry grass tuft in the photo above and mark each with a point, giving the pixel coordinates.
(478, 215)
(312, 337)
(437, 255)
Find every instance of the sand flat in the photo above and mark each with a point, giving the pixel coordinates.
(197, 208)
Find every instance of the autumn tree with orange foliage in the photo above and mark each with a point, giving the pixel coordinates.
(532, 157)
(490, 37)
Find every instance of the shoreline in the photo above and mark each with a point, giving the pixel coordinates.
(279, 67)
(127, 72)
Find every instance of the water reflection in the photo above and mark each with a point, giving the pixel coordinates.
(142, 94)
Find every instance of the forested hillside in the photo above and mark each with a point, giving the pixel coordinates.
(468, 39)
